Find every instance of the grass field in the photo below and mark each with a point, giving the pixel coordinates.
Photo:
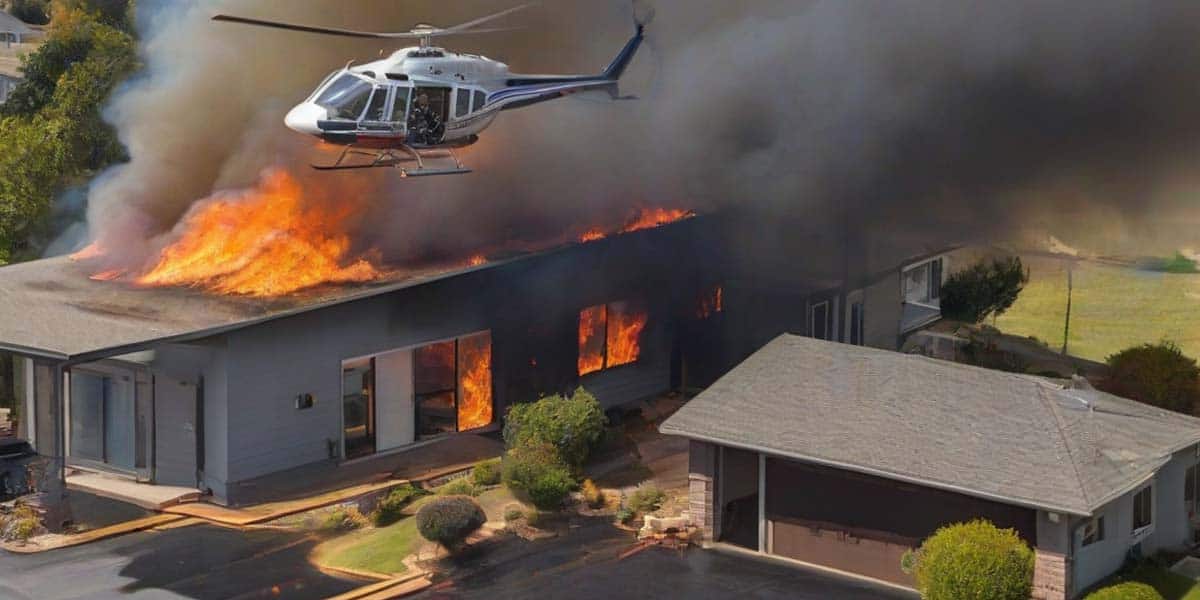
(1112, 308)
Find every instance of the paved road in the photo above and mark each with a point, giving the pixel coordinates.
(583, 566)
(193, 562)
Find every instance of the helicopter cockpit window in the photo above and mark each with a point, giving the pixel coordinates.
(346, 97)
(462, 104)
(377, 110)
(400, 105)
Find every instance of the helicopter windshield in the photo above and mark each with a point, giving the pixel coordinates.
(346, 97)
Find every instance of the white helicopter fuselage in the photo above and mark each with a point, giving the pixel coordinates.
(373, 105)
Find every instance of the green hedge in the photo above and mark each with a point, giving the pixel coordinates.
(536, 470)
(1131, 590)
(971, 561)
(572, 425)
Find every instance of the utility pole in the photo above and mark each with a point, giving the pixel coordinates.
(1067, 321)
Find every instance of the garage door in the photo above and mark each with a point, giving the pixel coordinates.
(864, 524)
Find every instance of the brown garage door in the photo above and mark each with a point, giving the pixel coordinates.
(864, 524)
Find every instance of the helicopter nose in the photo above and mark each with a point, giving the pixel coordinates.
(303, 118)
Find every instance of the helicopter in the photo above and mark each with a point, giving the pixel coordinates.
(414, 108)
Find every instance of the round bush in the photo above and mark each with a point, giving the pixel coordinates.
(549, 489)
(1130, 590)
(448, 520)
(974, 560)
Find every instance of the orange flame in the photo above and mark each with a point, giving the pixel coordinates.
(475, 382)
(591, 235)
(476, 260)
(648, 218)
(609, 336)
(265, 241)
(92, 250)
(711, 303)
(625, 325)
(591, 339)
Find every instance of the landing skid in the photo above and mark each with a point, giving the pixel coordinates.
(398, 157)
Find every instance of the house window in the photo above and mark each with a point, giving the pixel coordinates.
(610, 335)
(856, 323)
(1143, 508)
(819, 326)
(452, 384)
(923, 283)
(1092, 532)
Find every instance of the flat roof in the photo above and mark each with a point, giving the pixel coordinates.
(51, 308)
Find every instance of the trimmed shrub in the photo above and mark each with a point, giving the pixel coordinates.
(449, 520)
(344, 519)
(572, 425)
(459, 487)
(390, 508)
(983, 289)
(625, 515)
(647, 499)
(1156, 374)
(592, 496)
(973, 560)
(1130, 590)
(537, 471)
(486, 472)
(21, 524)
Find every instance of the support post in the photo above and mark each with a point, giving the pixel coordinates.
(762, 504)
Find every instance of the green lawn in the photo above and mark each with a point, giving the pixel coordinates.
(1170, 585)
(1112, 308)
(383, 549)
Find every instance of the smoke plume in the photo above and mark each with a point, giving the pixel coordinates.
(959, 120)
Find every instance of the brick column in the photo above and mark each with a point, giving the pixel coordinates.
(701, 485)
(1049, 575)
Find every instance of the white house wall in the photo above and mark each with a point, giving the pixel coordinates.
(1171, 531)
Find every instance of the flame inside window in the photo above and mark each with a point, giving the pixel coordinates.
(711, 303)
(610, 335)
(474, 381)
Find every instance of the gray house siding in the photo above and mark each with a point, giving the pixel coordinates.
(1171, 529)
(881, 312)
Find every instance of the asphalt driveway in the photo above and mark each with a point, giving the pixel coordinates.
(583, 564)
(201, 561)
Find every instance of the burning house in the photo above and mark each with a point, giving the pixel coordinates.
(217, 389)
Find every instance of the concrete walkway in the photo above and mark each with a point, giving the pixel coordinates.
(145, 495)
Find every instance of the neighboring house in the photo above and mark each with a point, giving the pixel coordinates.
(8, 82)
(13, 30)
(847, 457)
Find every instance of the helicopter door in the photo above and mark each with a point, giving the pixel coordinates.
(427, 115)
(400, 107)
(462, 102)
(377, 110)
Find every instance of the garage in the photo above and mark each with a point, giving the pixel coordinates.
(862, 523)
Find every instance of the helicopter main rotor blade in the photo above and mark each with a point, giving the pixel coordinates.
(463, 27)
(313, 29)
(416, 34)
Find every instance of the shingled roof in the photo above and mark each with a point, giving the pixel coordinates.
(1014, 438)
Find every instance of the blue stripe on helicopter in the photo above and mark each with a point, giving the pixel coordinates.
(522, 91)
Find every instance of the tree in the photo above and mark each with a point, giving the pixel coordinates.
(51, 129)
(968, 561)
(983, 290)
(1156, 374)
(36, 12)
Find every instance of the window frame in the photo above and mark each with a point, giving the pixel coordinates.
(604, 354)
(1096, 533)
(812, 320)
(857, 323)
(479, 96)
(460, 94)
(1140, 532)
(933, 267)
